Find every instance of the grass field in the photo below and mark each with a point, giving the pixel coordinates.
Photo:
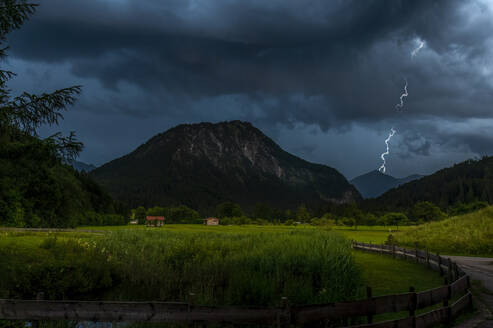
(374, 234)
(370, 234)
(469, 234)
(296, 261)
(220, 267)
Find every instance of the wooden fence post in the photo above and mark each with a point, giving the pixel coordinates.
(393, 250)
(284, 319)
(450, 272)
(416, 252)
(456, 271)
(440, 264)
(413, 303)
(470, 299)
(40, 296)
(369, 317)
(191, 297)
(446, 302)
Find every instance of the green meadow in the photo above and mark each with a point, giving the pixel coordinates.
(255, 265)
(469, 234)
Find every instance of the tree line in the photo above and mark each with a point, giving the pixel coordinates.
(350, 215)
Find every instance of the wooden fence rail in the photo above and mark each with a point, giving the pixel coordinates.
(282, 316)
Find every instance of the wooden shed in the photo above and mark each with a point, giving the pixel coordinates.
(211, 221)
(154, 221)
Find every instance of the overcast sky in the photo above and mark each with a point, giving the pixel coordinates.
(321, 78)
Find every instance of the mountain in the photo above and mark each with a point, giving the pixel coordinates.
(375, 183)
(81, 166)
(465, 182)
(201, 165)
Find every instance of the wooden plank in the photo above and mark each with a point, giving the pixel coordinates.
(401, 323)
(431, 318)
(462, 303)
(399, 249)
(459, 286)
(434, 266)
(434, 257)
(392, 303)
(313, 313)
(421, 254)
(133, 312)
(432, 296)
(375, 305)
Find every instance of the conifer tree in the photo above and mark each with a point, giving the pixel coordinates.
(21, 115)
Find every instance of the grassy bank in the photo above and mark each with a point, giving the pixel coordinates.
(469, 234)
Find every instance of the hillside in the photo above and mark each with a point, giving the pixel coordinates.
(465, 182)
(38, 190)
(375, 183)
(469, 234)
(201, 165)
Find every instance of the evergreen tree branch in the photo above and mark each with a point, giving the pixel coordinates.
(66, 148)
(27, 112)
(13, 13)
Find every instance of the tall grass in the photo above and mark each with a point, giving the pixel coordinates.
(233, 268)
(469, 234)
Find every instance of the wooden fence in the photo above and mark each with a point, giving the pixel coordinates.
(335, 314)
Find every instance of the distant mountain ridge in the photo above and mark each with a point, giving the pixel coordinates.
(201, 165)
(81, 166)
(466, 182)
(375, 183)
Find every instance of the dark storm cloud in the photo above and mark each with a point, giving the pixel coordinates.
(231, 46)
(319, 63)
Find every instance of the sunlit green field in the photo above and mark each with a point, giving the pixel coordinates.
(469, 234)
(367, 234)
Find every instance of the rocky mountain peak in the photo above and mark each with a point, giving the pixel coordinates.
(209, 163)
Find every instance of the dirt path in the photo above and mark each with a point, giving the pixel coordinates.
(480, 269)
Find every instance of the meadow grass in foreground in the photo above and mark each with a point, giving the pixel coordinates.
(468, 234)
(234, 268)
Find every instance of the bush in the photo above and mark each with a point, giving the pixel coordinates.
(426, 212)
(61, 269)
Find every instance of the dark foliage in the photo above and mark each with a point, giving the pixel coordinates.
(464, 183)
(36, 188)
(59, 269)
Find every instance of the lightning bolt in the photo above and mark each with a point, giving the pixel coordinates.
(391, 134)
(400, 105)
(415, 51)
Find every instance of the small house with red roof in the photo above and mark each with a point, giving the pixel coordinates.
(211, 221)
(154, 221)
